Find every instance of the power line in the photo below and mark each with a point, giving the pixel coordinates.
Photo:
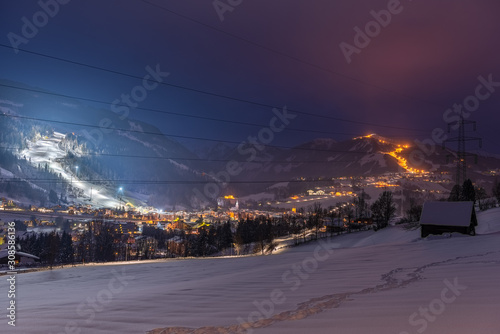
(241, 100)
(173, 113)
(170, 135)
(202, 159)
(163, 182)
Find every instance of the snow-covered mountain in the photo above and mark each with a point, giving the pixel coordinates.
(136, 159)
(369, 155)
(163, 172)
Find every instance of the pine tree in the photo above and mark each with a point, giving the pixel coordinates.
(53, 248)
(383, 209)
(66, 254)
(414, 212)
(480, 194)
(201, 243)
(227, 235)
(468, 192)
(53, 197)
(361, 205)
(455, 194)
(496, 190)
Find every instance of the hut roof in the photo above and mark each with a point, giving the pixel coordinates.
(447, 213)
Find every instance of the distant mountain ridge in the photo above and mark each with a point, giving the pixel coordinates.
(171, 172)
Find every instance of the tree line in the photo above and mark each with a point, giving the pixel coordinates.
(101, 243)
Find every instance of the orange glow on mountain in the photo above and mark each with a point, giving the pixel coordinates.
(402, 162)
(364, 137)
(396, 153)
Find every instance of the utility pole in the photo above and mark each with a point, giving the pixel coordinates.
(461, 139)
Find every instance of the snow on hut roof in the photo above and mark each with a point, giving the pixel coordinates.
(447, 213)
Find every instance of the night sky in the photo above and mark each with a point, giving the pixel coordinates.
(273, 53)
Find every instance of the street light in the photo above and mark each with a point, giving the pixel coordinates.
(120, 192)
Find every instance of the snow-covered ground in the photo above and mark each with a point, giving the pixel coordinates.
(389, 281)
(489, 221)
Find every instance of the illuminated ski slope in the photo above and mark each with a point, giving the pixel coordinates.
(47, 151)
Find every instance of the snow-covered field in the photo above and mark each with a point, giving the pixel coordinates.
(389, 281)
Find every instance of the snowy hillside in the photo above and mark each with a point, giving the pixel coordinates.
(165, 173)
(148, 155)
(48, 151)
(389, 281)
(489, 221)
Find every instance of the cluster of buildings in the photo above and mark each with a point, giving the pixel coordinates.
(126, 227)
(8, 205)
